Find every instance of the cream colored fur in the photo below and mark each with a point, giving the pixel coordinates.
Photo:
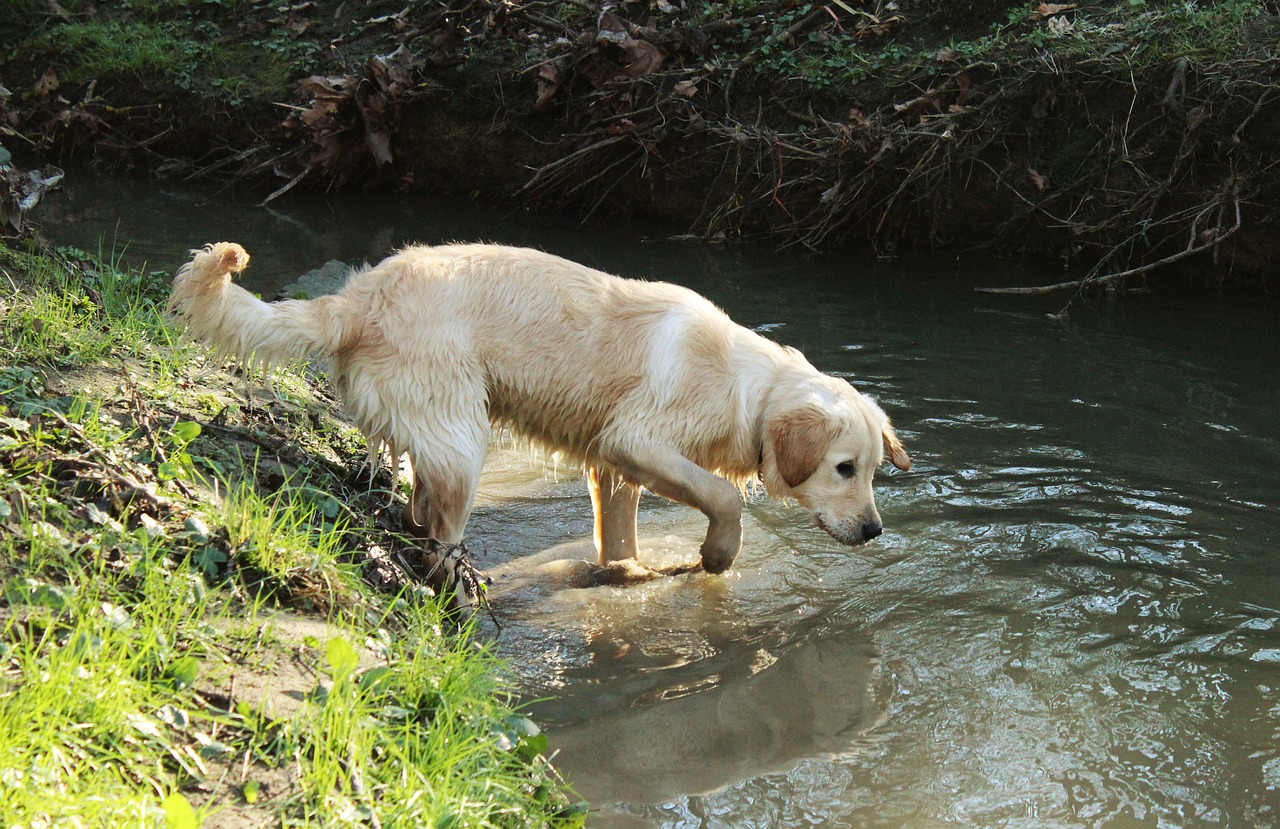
(647, 384)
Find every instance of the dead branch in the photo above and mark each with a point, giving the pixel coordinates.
(1191, 250)
(560, 164)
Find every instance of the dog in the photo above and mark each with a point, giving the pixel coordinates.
(648, 385)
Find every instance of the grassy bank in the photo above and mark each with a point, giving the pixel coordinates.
(190, 631)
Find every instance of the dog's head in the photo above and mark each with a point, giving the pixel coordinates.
(822, 445)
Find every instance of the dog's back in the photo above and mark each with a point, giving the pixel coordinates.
(567, 355)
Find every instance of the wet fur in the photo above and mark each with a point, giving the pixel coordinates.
(647, 384)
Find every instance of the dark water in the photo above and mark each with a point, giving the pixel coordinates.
(1072, 619)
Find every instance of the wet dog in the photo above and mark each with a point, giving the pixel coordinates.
(646, 384)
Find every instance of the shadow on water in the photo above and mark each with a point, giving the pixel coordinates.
(1072, 619)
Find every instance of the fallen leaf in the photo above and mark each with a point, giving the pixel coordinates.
(57, 9)
(379, 144)
(378, 115)
(626, 125)
(612, 28)
(643, 58)
(916, 106)
(47, 84)
(687, 88)
(548, 82)
(397, 71)
(1050, 9)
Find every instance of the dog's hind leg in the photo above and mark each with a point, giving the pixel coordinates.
(444, 489)
(615, 502)
(442, 499)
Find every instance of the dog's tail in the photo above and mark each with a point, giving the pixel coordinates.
(238, 324)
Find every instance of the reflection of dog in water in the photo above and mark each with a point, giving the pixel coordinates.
(647, 384)
(816, 699)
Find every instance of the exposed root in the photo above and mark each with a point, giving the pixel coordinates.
(1082, 144)
(1199, 242)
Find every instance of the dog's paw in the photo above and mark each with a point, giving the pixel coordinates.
(622, 573)
(716, 560)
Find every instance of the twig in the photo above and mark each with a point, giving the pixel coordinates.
(1191, 250)
(143, 419)
(570, 158)
(286, 188)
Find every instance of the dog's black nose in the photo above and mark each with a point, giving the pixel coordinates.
(871, 529)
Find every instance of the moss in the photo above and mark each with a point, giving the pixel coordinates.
(91, 50)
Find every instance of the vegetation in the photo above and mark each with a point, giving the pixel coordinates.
(188, 631)
(1123, 136)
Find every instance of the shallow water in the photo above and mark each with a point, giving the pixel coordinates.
(1072, 618)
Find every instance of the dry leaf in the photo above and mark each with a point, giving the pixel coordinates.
(548, 84)
(687, 88)
(47, 84)
(612, 28)
(916, 106)
(1050, 9)
(643, 58)
(56, 8)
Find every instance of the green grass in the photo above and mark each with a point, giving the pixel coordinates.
(385, 727)
(124, 47)
(79, 311)
(864, 49)
(289, 542)
(138, 577)
(188, 52)
(90, 688)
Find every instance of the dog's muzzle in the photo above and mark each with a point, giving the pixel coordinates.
(850, 533)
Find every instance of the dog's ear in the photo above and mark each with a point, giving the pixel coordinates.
(800, 439)
(894, 450)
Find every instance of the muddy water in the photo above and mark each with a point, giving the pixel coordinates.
(1072, 618)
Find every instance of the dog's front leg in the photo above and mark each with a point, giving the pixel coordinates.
(615, 503)
(673, 476)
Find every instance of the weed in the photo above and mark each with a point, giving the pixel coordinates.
(286, 543)
(78, 310)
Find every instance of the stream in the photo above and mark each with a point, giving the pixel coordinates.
(1072, 618)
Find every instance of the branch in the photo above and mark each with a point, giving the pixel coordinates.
(1191, 250)
(559, 163)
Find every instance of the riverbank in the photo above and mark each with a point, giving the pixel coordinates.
(1128, 139)
(205, 621)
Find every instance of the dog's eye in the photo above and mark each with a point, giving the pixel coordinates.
(845, 469)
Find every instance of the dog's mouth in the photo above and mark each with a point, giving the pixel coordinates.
(842, 531)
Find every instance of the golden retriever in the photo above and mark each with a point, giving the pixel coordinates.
(646, 384)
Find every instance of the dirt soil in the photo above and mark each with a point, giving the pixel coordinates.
(1128, 144)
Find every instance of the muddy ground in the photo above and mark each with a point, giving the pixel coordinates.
(1138, 141)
